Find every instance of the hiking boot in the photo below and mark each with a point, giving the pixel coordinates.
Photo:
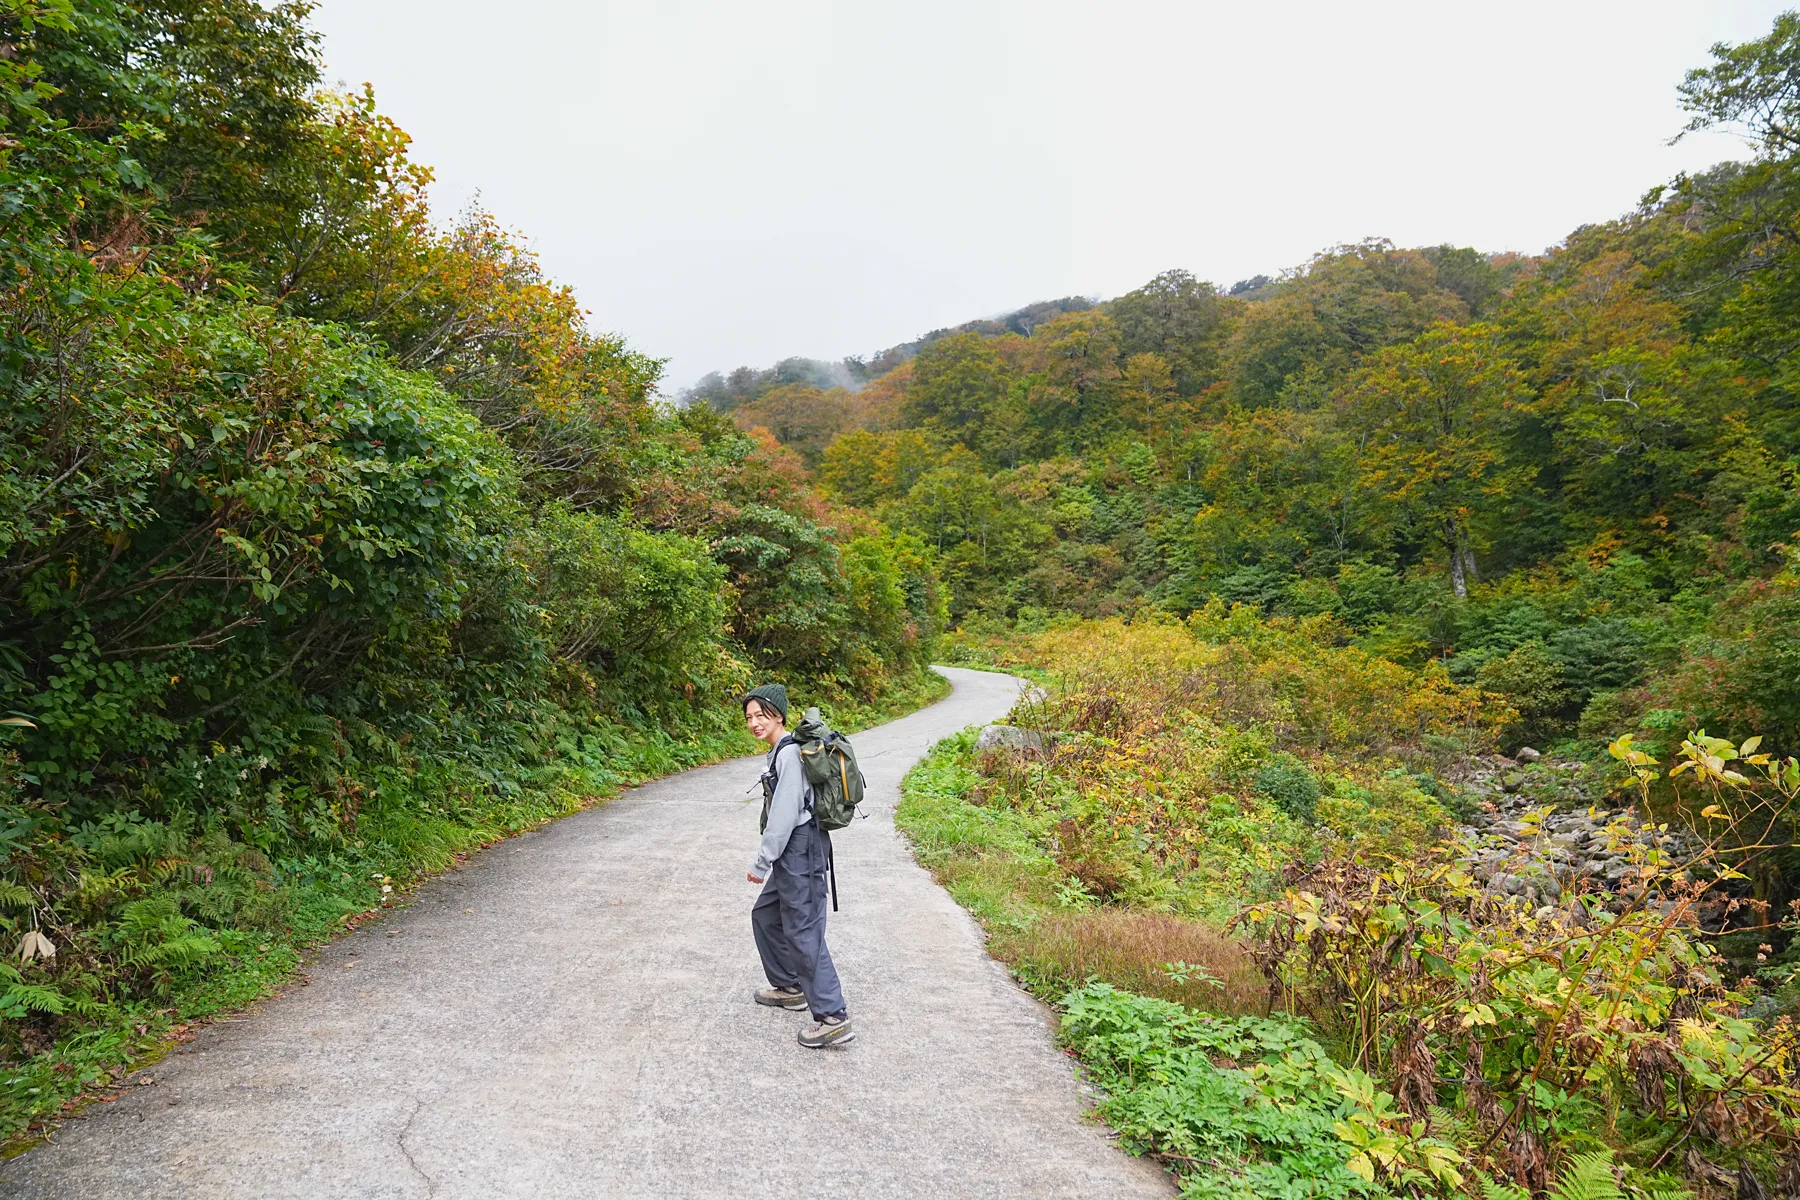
(789, 998)
(832, 1031)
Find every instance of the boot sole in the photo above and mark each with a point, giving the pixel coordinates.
(798, 1006)
(843, 1040)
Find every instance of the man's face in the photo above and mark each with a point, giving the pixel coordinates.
(762, 721)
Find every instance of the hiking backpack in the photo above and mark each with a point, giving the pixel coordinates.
(830, 764)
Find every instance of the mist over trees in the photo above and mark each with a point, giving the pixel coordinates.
(1570, 477)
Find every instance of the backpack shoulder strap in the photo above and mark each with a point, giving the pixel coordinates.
(774, 770)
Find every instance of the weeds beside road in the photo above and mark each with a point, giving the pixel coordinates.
(220, 969)
(1235, 870)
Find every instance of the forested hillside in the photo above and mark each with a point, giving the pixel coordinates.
(1294, 560)
(1569, 477)
(332, 541)
(335, 544)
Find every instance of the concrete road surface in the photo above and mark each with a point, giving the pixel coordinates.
(570, 1015)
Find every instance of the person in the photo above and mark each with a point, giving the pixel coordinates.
(788, 918)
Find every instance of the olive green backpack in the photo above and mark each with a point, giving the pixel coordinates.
(830, 764)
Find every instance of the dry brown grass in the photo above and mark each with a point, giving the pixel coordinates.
(1129, 950)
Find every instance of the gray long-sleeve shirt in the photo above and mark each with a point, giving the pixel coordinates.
(790, 807)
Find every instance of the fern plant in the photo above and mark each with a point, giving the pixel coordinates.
(158, 937)
(19, 999)
(1583, 1177)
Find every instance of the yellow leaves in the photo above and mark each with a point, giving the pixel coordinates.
(1362, 1162)
(1382, 1141)
(1531, 821)
(1709, 760)
(1477, 1014)
(1305, 908)
(1621, 748)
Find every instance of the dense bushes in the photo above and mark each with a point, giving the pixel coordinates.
(332, 544)
(278, 626)
(1524, 1034)
(1193, 761)
(228, 511)
(1188, 815)
(637, 613)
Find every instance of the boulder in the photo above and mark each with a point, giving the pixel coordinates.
(1011, 739)
(1527, 755)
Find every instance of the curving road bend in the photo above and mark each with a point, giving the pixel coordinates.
(569, 1015)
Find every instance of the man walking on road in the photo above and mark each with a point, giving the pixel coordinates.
(788, 918)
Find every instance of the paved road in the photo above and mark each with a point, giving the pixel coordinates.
(569, 1015)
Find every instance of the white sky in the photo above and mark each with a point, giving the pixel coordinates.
(734, 182)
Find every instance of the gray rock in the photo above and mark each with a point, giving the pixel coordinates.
(1010, 738)
(1527, 755)
(1511, 783)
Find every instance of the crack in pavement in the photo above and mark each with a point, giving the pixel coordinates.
(400, 1141)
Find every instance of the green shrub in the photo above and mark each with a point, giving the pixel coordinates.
(1599, 655)
(643, 612)
(1287, 784)
(1536, 685)
(1243, 1106)
(1741, 669)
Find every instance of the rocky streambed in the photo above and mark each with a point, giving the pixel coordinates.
(1538, 829)
(1542, 829)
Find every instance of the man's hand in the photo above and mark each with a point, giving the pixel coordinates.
(752, 877)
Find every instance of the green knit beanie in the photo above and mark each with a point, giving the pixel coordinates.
(771, 694)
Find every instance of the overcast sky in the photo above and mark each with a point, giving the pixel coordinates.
(732, 182)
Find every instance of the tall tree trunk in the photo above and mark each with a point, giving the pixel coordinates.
(1468, 553)
(1458, 581)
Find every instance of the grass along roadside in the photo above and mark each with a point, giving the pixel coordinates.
(398, 850)
(996, 861)
(1163, 1010)
(1236, 774)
